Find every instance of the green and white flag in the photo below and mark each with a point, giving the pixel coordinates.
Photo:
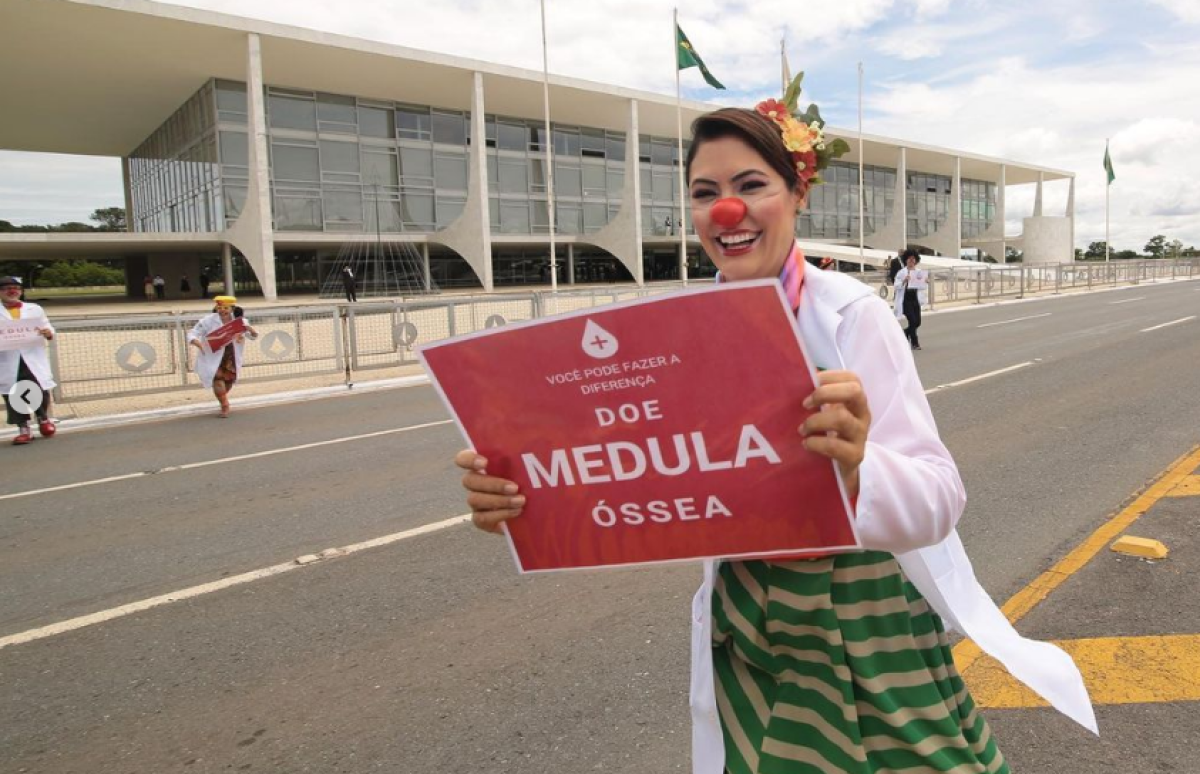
(686, 56)
(1108, 165)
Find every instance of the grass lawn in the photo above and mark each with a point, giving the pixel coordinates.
(103, 290)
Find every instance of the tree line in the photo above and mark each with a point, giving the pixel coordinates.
(1157, 247)
(69, 273)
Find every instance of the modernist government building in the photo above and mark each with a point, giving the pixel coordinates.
(262, 153)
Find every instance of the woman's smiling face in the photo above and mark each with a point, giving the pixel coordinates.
(756, 246)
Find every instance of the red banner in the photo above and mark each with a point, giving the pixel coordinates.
(221, 337)
(654, 430)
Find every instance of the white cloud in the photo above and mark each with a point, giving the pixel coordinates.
(40, 188)
(926, 9)
(1184, 10)
(1059, 117)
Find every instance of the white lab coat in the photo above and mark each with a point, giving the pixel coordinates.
(208, 362)
(918, 280)
(34, 355)
(910, 497)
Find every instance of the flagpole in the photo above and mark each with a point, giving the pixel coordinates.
(679, 148)
(783, 70)
(549, 147)
(862, 192)
(1107, 186)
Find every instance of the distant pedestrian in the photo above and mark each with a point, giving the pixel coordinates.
(204, 283)
(160, 287)
(185, 287)
(912, 293)
(350, 284)
(148, 287)
(27, 363)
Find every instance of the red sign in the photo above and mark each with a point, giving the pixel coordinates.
(221, 337)
(653, 430)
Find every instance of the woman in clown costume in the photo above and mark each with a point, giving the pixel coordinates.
(839, 663)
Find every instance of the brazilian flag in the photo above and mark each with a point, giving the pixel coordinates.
(686, 56)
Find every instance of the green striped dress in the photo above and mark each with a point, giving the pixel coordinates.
(839, 665)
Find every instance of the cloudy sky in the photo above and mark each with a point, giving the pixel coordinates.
(1030, 80)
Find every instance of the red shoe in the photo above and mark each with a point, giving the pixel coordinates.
(47, 428)
(23, 436)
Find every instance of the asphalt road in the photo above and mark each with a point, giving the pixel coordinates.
(430, 653)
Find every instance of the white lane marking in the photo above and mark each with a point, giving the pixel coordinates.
(1018, 319)
(224, 460)
(988, 375)
(91, 619)
(1127, 300)
(266, 572)
(1164, 325)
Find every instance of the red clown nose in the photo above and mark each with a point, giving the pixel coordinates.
(728, 212)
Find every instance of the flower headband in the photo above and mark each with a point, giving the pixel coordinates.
(803, 135)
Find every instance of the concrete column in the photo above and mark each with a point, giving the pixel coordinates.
(894, 236)
(128, 193)
(252, 233)
(948, 239)
(1070, 213)
(1001, 210)
(956, 209)
(622, 237)
(1037, 197)
(992, 240)
(902, 197)
(428, 273)
(470, 234)
(227, 267)
(571, 263)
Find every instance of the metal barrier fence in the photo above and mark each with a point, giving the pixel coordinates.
(102, 358)
(993, 282)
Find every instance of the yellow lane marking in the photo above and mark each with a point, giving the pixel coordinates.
(967, 652)
(1118, 670)
(1188, 487)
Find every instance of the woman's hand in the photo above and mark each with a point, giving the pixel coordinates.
(46, 333)
(492, 500)
(838, 430)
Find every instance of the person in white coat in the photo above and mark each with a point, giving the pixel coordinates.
(27, 363)
(840, 663)
(218, 370)
(912, 295)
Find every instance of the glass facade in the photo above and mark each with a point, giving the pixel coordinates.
(341, 163)
(978, 207)
(173, 176)
(833, 206)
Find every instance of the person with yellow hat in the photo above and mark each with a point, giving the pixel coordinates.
(219, 369)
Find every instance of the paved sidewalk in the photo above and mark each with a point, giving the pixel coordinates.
(196, 399)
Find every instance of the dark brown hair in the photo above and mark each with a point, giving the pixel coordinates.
(759, 132)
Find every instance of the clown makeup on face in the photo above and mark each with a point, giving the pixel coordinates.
(755, 246)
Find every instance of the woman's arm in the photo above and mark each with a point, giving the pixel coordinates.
(910, 492)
